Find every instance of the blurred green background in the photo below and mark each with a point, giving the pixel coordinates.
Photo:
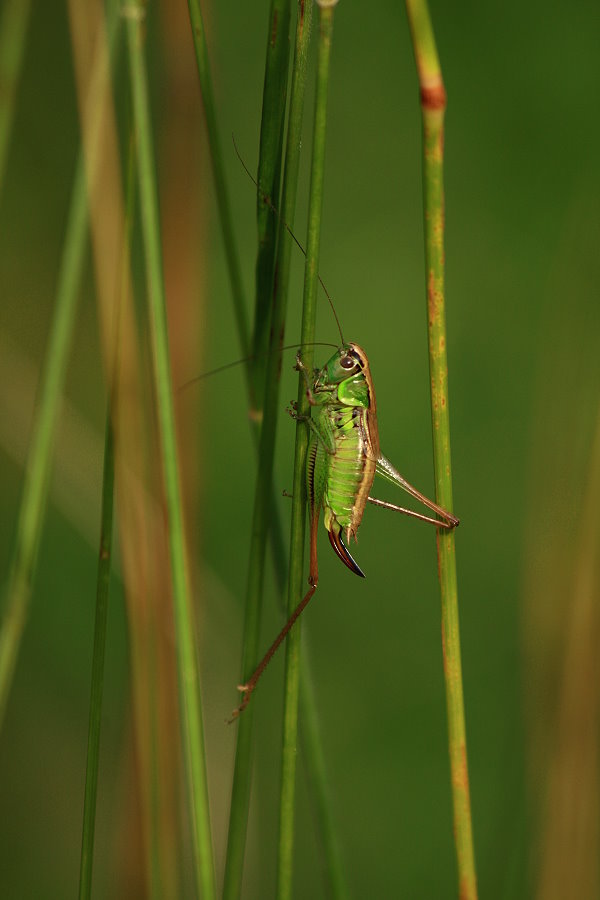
(522, 204)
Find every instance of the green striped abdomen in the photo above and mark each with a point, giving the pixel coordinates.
(347, 466)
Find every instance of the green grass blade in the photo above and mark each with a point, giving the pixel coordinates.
(103, 583)
(268, 175)
(104, 571)
(216, 158)
(269, 178)
(13, 31)
(318, 785)
(231, 252)
(260, 523)
(189, 686)
(297, 585)
(433, 105)
(52, 379)
(37, 470)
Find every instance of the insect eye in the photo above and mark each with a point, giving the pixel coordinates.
(346, 362)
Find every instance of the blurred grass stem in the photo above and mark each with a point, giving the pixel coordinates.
(93, 751)
(216, 159)
(39, 458)
(13, 31)
(104, 563)
(433, 106)
(189, 686)
(51, 384)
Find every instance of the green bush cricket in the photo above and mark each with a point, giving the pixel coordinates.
(342, 460)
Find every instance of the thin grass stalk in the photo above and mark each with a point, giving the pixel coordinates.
(568, 852)
(216, 158)
(231, 253)
(144, 546)
(13, 31)
(145, 661)
(52, 379)
(102, 595)
(186, 256)
(103, 580)
(232, 256)
(268, 174)
(297, 585)
(269, 181)
(39, 459)
(262, 501)
(318, 785)
(433, 106)
(102, 590)
(269, 185)
(189, 685)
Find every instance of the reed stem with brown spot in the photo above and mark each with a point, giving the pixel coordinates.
(433, 107)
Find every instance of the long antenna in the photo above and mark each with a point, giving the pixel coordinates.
(238, 362)
(274, 209)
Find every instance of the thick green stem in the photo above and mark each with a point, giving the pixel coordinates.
(433, 105)
(297, 580)
(189, 685)
(260, 523)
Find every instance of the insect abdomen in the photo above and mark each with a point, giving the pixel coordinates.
(351, 472)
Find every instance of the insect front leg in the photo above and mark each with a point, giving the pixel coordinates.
(300, 367)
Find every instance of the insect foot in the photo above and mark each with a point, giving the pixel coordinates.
(245, 689)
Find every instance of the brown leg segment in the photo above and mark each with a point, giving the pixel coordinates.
(313, 580)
